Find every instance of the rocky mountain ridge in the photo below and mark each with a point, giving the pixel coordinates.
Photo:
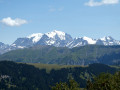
(57, 39)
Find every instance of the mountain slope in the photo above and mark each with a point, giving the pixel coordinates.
(60, 55)
(82, 41)
(4, 48)
(18, 76)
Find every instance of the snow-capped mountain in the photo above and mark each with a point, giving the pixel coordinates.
(107, 41)
(88, 41)
(56, 38)
(22, 43)
(27, 41)
(81, 41)
(61, 39)
(35, 37)
(2, 45)
(3, 48)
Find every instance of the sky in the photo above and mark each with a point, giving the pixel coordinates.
(91, 18)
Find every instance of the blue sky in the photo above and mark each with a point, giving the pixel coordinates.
(92, 18)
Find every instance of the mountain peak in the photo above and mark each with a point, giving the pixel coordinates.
(60, 34)
(89, 40)
(56, 31)
(106, 38)
(36, 36)
(1, 43)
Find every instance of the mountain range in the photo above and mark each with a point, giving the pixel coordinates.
(57, 39)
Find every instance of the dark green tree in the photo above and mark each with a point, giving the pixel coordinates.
(60, 86)
(105, 82)
(72, 85)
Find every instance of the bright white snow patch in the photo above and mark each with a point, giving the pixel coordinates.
(13, 45)
(78, 44)
(89, 40)
(36, 37)
(20, 47)
(105, 38)
(69, 43)
(50, 42)
(60, 34)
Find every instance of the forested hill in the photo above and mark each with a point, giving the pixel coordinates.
(18, 76)
(60, 55)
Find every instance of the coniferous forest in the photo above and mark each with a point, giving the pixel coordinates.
(21, 76)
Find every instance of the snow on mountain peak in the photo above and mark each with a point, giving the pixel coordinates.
(60, 34)
(36, 37)
(89, 40)
(106, 38)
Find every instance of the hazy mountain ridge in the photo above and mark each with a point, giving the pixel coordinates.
(57, 39)
(4, 48)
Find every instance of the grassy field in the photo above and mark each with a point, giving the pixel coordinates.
(117, 67)
(49, 67)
